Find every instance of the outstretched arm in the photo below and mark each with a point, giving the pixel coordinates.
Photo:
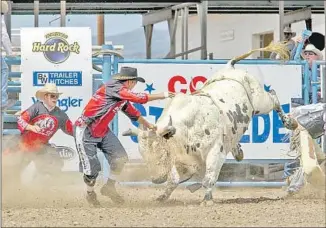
(160, 96)
(142, 98)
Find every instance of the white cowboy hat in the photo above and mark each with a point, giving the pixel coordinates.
(48, 88)
(4, 7)
(312, 48)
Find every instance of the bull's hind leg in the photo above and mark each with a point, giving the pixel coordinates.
(288, 122)
(214, 162)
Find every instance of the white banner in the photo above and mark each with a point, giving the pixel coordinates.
(63, 56)
(265, 137)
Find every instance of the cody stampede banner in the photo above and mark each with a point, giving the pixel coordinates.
(62, 56)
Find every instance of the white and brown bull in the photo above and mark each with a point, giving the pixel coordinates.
(196, 131)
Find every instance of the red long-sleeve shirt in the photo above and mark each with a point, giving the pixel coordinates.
(105, 103)
(48, 121)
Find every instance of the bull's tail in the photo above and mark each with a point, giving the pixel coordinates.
(278, 48)
(230, 64)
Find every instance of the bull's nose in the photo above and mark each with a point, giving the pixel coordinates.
(160, 180)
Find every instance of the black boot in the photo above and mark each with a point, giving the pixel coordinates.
(109, 190)
(91, 198)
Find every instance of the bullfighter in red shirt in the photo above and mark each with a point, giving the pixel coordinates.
(92, 130)
(37, 125)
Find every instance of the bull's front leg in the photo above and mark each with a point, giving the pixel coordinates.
(174, 180)
(214, 162)
(170, 187)
(172, 184)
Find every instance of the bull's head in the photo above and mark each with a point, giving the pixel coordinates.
(154, 149)
(167, 131)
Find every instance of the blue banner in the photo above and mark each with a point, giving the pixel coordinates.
(60, 78)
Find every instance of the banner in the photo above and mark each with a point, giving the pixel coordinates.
(62, 56)
(265, 138)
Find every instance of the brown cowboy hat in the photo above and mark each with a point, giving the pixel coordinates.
(128, 73)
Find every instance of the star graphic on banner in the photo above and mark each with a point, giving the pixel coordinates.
(267, 88)
(149, 88)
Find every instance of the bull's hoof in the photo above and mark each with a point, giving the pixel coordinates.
(239, 156)
(208, 199)
(207, 203)
(208, 196)
(160, 180)
(162, 198)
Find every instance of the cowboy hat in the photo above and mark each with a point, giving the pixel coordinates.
(288, 30)
(128, 73)
(47, 88)
(4, 7)
(312, 48)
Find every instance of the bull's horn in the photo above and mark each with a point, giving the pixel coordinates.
(168, 130)
(130, 132)
(170, 121)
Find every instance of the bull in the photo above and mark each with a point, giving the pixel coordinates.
(196, 131)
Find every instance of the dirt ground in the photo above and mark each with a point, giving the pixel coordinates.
(66, 207)
(61, 203)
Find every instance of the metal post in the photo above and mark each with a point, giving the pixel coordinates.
(148, 36)
(172, 24)
(281, 18)
(106, 76)
(106, 68)
(182, 33)
(203, 28)
(314, 82)
(63, 13)
(36, 13)
(186, 14)
(100, 30)
(306, 79)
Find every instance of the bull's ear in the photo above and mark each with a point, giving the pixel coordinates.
(130, 132)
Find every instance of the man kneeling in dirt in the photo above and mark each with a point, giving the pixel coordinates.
(37, 125)
(309, 166)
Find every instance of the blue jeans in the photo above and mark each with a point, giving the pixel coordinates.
(4, 82)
